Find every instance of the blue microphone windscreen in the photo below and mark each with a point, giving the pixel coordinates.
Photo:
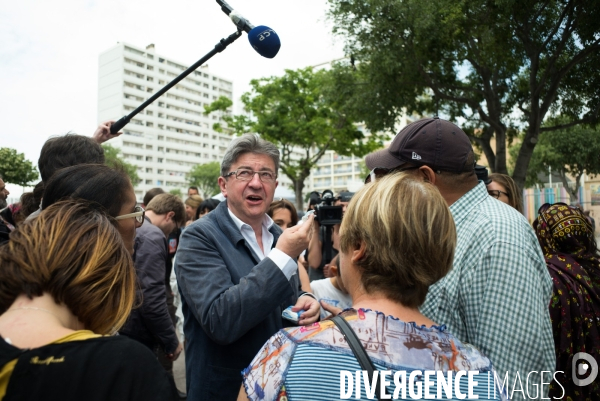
(264, 40)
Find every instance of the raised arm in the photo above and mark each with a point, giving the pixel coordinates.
(102, 133)
(225, 308)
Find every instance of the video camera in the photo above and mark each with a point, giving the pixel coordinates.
(482, 174)
(326, 214)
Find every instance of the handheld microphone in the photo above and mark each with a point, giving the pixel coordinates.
(262, 38)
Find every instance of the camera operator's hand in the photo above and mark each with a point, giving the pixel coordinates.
(295, 239)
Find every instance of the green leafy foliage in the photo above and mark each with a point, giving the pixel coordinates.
(177, 192)
(205, 177)
(567, 153)
(499, 66)
(15, 169)
(113, 158)
(300, 111)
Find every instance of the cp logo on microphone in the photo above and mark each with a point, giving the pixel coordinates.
(581, 368)
(265, 34)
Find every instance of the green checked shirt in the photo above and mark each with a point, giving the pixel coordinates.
(497, 294)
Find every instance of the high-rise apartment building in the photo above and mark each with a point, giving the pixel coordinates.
(346, 173)
(171, 135)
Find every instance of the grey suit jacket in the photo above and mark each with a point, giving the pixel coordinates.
(232, 303)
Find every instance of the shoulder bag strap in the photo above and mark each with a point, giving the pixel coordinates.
(357, 348)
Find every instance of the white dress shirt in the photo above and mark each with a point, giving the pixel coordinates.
(287, 265)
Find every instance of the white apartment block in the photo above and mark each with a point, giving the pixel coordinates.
(345, 173)
(171, 135)
(337, 173)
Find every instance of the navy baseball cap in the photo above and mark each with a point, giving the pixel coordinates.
(431, 142)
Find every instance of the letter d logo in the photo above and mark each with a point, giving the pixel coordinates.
(583, 368)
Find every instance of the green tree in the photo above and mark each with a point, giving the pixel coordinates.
(565, 158)
(502, 66)
(113, 158)
(205, 177)
(303, 114)
(15, 169)
(177, 192)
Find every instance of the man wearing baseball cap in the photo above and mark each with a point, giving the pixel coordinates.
(497, 294)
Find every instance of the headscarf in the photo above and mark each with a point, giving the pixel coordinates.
(563, 229)
(567, 239)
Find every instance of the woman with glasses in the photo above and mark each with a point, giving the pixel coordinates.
(105, 186)
(67, 283)
(573, 261)
(505, 190)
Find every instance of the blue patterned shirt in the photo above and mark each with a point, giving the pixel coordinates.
(497, 294)
(306, 363)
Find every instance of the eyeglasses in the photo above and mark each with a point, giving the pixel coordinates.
(379, 172)
(244, 174)
(138, 214)
(496, 193)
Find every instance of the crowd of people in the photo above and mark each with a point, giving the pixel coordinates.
(430, 268)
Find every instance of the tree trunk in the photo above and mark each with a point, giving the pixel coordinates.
(529, 142)
(298, 187)
(501, 151)
(496, 125)
(573, 198)
(484, 141)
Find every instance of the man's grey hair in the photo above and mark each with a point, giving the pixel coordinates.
(249, 143)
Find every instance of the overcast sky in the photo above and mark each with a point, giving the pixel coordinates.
(49, 53)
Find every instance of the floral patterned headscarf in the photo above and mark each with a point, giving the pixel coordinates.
(567, 238)
(565, 229)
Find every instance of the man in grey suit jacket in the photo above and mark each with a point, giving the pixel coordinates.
(236, 273)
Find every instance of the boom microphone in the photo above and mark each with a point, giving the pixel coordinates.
(262, 38)
(265, 41)
(242, 23)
